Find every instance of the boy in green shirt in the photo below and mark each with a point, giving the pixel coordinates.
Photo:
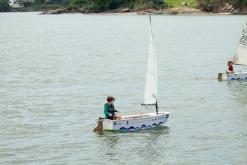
(109, 109)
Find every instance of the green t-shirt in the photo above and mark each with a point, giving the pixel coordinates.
(109, 109)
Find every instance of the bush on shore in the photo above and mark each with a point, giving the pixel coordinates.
(221, 5)
(4, 5)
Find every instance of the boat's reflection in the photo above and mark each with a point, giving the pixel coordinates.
(152, 145)
(110, 138)
(239, 90)
(114, 142)
(156, 130)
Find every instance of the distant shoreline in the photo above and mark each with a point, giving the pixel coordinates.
(167, 11)
(139, 7)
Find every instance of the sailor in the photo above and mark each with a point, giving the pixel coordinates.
(230, 69)
(109, 109)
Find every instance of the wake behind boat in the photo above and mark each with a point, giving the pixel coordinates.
(240, 58)
(143, 120)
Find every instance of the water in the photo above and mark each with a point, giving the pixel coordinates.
(56, 71)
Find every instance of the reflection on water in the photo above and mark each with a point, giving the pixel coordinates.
(112, 142)
(151, 149)
(111, 137)
(239, 90)
(142, 143)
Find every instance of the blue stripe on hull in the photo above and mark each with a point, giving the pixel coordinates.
(239, 78)
(140, 128)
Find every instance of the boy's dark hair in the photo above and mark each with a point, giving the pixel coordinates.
(110, 98)
(229, 62)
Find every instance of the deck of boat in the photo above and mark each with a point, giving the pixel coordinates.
(143, 115)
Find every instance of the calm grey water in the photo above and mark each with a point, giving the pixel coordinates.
(56, 71)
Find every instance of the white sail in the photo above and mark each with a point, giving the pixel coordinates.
(150, 94)
(240, 56)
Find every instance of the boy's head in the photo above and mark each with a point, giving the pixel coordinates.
(229, 63)
(110, 99)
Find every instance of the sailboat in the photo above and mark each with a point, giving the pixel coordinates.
(143, 120)
(239, 58)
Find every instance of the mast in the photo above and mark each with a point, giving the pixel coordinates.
(150, 94)
(156, 107)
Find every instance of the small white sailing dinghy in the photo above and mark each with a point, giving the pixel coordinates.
(240, 58)
(143, 120)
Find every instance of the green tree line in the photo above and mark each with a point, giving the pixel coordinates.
(101, 5)
(210, 5)
(4, 5)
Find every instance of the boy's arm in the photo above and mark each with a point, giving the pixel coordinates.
(115, 110)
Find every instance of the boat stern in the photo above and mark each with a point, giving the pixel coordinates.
(222, 76)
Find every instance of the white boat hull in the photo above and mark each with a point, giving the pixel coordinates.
(233, 76)
(136, 122)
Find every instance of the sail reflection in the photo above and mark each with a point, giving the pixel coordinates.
(151, 149)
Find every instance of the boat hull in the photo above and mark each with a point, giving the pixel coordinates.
(234, 76)
(136, 122)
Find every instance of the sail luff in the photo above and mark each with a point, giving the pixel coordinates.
(150, 94)
(240, 56)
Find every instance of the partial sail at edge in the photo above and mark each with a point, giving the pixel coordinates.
(240, 56)
(150, 94)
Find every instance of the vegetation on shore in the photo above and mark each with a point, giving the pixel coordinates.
(4, 5)
(94, 6)
(103, 5)
(40, 7)
(218, 6)
(181, 3)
